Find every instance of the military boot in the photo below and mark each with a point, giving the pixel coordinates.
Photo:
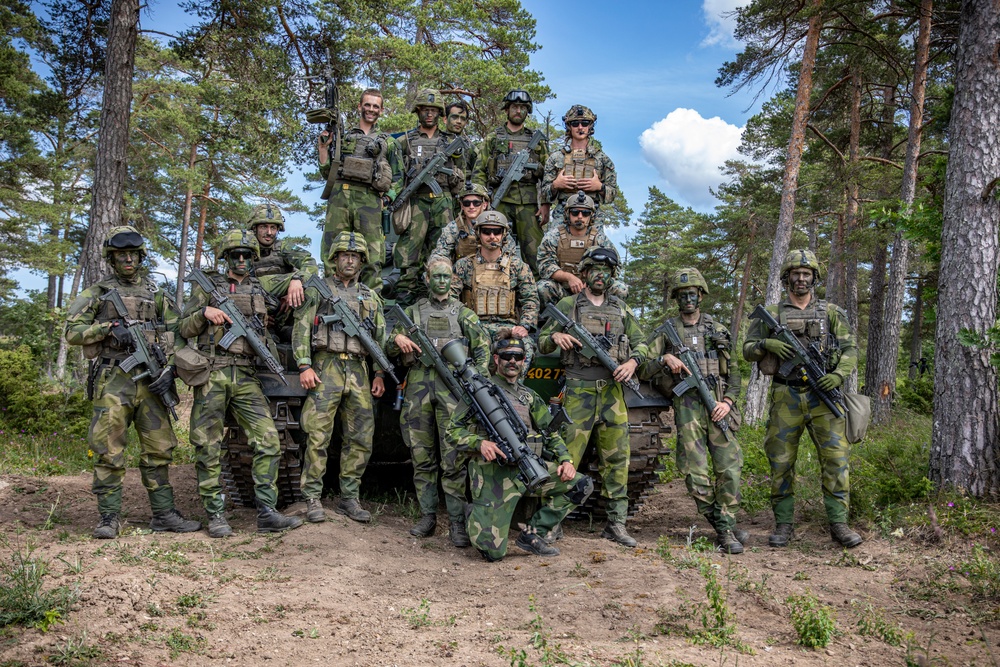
(314, 511)
(741, 535)
(351, 508)
(425, 527)
(554, 535)
(616, 533)
(781, 536)
(270, 520)
(172, 521)
(218, 526)
(108, 528)
(727, 542)
(459, 534)
(532, 543)
(843, 535)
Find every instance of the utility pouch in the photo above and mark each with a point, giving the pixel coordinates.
(534, 442)
(359, 169)
(402, 218)
(859, 415)
(193, 368)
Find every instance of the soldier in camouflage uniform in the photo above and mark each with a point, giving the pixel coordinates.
(119, 398)
(369, 177)
(496, 284)
(594, 399)
(698, 434)
(456, 119)
(233, 385)
(794, 406)
(520, 204)
(496, 487)
(428, 404)
(333, 368)
(579, 165)
(428, 213)
(562, 249)
(458, 239)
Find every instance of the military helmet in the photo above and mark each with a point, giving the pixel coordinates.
(236, 238)
(123, 237)
(580, 200)
(599, 255)
(429, 97)
(491, 219)
(474, 189)
(580, 112)
(687, 277)
(264, 214)
(796, 259)
(518, 96)
(349, 242)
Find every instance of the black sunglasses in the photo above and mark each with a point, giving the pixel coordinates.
(580, 211)
(511, 356)
(579, 123)
(491, 231)
(472, 202)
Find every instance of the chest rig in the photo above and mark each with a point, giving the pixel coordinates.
(440, 324)
(362, 160)
(507, 146)
(491, 295)
(249, 297)
(571, 248)
(420, 148)
(607, 319)
(273, 263)
(140, 302)
(810, 326)
(467, 244)
(710, 347)
(331, 337)
(520, 399)
(579, 163)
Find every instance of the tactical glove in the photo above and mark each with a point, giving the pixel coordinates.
(779, 348)
(164, 383)
(830, 381)
(121, 337)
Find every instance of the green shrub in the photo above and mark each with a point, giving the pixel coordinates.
(29, 404)
(23, 600)
(813, 622)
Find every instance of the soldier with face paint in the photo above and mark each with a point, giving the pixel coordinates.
(233, 385)
(794, 407)
(119, 399)
(428, 404)
(333, 368)
(495, 486)
(698, 435)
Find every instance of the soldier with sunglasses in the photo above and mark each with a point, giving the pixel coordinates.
(458, 239)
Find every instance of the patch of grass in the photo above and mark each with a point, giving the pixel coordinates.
(178, 642)
(668, 468)
(547, 652)
(421, 616)
(75, 652)
(580, 571)
(191, 601)
(982, 574)
(813, 622)
(164, 559)
(23, 597)
(873, 623)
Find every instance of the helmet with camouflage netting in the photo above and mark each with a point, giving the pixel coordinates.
(429, 97)
(349, 242)
(123, 237)
(796, 259)
(599, 255)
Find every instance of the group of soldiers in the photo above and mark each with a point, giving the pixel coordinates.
(472, 275)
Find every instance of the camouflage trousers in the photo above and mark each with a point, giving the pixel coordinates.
(598, 411)
(792, 410)
(495, 492)
(427, 410)
(493, 327)
(429, 214)
(122, 401)
(698, 438)
(356, 208)
(551, 291)
(526, 229)
(344, 389)
(237, 389)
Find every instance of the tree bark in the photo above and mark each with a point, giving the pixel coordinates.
(741, 300)
(759, 384)
(916, 347)
(182, 254)
(849, 296)
(964, 448)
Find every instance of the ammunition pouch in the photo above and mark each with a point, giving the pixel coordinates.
(358, 169)
(535, 443)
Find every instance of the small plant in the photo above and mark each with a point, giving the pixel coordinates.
(419, 617)
(548, 653)
(178, 643)
(190, 601)
(813, 621)
(801, 575)
(75, 652)
(872, 623)
(580, 571)
(983, 574)
(49, 618)
(311, 633)
(23, 601)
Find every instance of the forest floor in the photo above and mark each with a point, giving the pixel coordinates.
(341, 593)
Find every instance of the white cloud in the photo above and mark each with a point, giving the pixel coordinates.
(721, 23)
(687, 151)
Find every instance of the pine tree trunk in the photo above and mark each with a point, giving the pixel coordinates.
(185, 226)
(916, 347)
(964, 448)
(199, 244)
(759, 384)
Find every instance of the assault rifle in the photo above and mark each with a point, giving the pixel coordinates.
(592, 347)
(351, 325)
(495, 414)
(515, 171)
(695, 380)
(429, 355)
(151, 356)
(253, 329)
(331, 116)
(426, 176)
(806, 364)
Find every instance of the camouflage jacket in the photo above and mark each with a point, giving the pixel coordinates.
(605, 171)
(466, 435)
(523, 192)
(522, 283)
(289, 259)
(193, 322)
(839, 327)
(478, 340)
(639, 351)
(659, 345)
(392, 156)
(450, 236)
(548, 249)
(305, 316)
(456, 181)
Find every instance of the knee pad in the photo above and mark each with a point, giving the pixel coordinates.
(580, 491)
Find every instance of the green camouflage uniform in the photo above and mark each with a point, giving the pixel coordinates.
(794, 407)
(428, 404)
(496, 488)
(340, 361)
(429, 213)
(289, 261)
(520, 203)
(513, 278)
(594, 159)
(697, 436)
(232, 385)
(552, 258)
(458, 240)
(355, 206)
(118, 399)
(593, 400)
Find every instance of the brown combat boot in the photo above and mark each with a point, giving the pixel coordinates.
(727, 542)
(844, 536)
(616, 533)
(314, 511)
(108, 528)
(352, 509)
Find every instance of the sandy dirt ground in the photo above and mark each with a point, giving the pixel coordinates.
(341, 593)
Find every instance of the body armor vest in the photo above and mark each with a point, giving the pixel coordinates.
(810, 325)
(579, 164)
(608, 319)
(140, 302)
(248, 296)
(357, 166)
(273, 263)
(507, 147)
(491, 295)
(709, 347)
(440, 324)
(421, 148)
(571, 248)
(520, 400)
(331, 337)
(467, 243)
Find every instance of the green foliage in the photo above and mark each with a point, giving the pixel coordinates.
(547, 652)
(814, 622)
(23, 598)
(917, 395)
(873, 623)
(75, 652)
(178, 642)
(421, 616)
(29, 405)
(755, 480)
(982, 574)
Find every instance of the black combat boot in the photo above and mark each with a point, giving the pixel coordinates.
(425, 527)
(172, 521)
(727, 542)
(844, 536)
(459, 534)
(109, 527)
(532, 543)
(270, 520)
(218, 526)
(781, 536)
